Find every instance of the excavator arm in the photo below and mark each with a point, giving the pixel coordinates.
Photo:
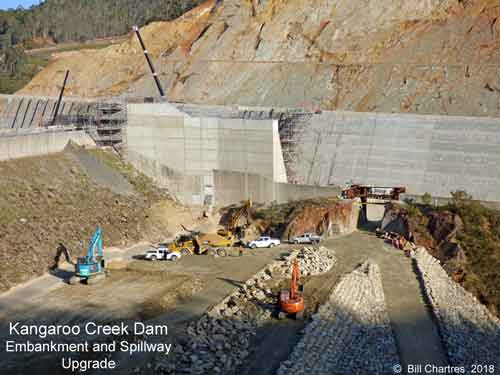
(232, 225)
(61, 251)
(95, 242)
(295, 280)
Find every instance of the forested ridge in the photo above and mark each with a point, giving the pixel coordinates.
(59, 21)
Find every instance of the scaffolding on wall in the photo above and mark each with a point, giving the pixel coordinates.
(102, 120)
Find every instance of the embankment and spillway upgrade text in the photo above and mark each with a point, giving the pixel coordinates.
(87, 338)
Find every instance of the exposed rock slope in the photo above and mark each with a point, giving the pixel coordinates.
(435, 56)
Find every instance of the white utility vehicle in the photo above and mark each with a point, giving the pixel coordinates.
(307, 238)
(264, 241)
(161, 252)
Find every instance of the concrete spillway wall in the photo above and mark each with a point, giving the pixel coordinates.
(233, 187)
(181, 152)
(18, 144)
(435, 154)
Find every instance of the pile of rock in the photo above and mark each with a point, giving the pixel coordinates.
(312, 261)
(470, 332)
(219, 342)
(350, 334)
(216, 346)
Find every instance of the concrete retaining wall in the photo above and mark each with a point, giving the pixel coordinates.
(23, 111)
(233, 187)
(20, 144)
(435, 154)
(180, 152)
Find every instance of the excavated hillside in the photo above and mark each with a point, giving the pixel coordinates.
(51, 200)
(434, 56)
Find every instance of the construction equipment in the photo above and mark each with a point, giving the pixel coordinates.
(91, 268)
(212, 243)
(291, 301)
(373, 192)
(185, 244)
(199, 243)
(365, 192)
(233, 229)
(61, 251)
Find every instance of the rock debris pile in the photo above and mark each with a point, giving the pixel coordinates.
(214, 346)
(312, 261)
(220, 341)
(350, 334)
(470, 332)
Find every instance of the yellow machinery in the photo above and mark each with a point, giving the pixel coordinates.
(185, 244)
(201, 243)
(232, 228)
(197, 243)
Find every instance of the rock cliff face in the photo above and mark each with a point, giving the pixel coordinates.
(433, 56)
(326, 217)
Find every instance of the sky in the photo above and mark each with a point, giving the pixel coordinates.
(6, 4)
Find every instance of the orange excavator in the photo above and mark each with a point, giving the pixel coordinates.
(291, 301)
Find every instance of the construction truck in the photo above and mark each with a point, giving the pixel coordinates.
(90, 268)
(186, 244)
(199, 243)
(212, 243)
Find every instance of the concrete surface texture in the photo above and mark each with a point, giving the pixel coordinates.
(434, 154)
(230, 187)
(22, 111)
(180, 151)
(18, 144)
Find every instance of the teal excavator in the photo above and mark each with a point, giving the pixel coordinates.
(90, 268)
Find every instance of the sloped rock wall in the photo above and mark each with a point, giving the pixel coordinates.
(350, 334)
(470, 332)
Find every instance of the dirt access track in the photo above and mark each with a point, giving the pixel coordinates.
(168, 292)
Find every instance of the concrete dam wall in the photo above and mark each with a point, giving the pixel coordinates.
(181, 145)
(434, 154)
(19, 144)
(181, 152)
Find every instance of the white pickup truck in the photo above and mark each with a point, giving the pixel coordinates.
(161, 252)
(307, 238)
(264, 241)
